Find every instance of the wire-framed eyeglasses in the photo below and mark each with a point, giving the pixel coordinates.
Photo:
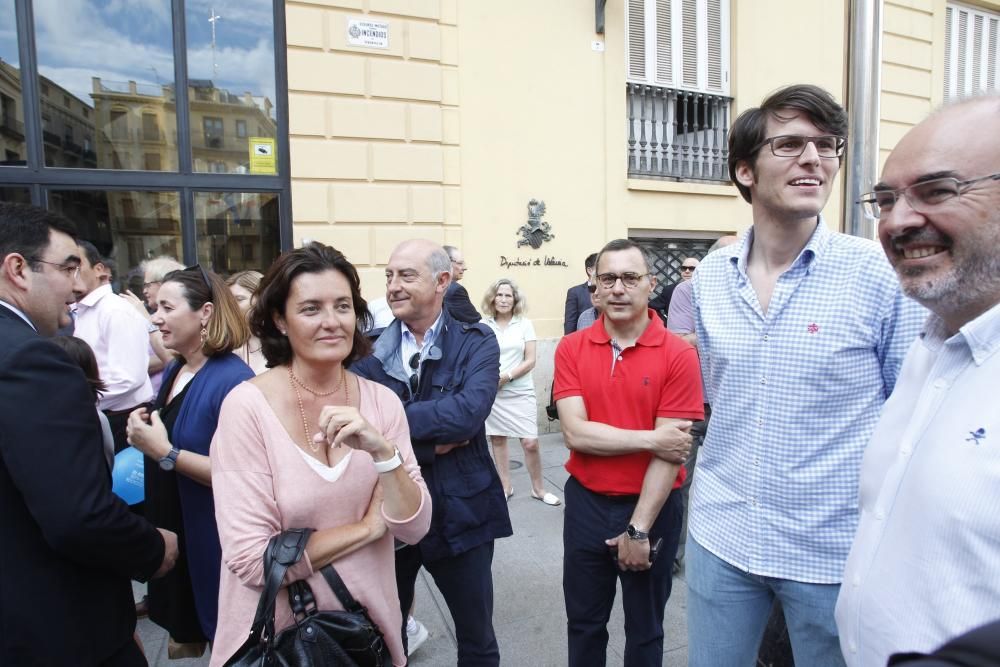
(72, 271)
(794, 145)
(922, 197)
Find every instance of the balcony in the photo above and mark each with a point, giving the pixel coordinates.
(12, 127)
(677, 134)
(51, 138)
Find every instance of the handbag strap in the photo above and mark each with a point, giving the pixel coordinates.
(340, 589)
(283, 551)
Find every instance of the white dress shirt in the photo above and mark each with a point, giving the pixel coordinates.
(119, 337)
(408, 344)
(925, 565)
(17, 311)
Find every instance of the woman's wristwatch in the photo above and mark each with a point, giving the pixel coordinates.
(389, 464)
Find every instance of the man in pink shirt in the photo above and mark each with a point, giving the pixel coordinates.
(119, 337)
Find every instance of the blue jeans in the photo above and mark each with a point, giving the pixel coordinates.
(728, 611)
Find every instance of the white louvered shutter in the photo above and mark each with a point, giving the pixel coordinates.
(636, 22)
(971, 57)
(664, 43)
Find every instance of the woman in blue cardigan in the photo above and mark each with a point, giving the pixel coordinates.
(201, 324)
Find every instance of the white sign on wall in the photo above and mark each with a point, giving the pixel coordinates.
(373, 34)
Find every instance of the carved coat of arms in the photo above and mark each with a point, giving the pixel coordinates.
(536, 231)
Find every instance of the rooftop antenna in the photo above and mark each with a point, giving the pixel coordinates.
(213, 19)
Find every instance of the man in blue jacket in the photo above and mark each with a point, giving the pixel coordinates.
(446, 373)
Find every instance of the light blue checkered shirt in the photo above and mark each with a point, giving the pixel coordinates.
(795, 395)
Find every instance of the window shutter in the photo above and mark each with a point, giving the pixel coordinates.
(636, 19)
(689, 40)
(715, 77)
(949, 58)
(970, 56)
(991, 54)
(664, 42)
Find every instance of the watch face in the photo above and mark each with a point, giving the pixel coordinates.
(166, 463)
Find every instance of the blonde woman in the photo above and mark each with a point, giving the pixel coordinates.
(244, 286)
(515, 410)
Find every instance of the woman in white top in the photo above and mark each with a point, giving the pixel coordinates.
(515, 410)
(243, 286)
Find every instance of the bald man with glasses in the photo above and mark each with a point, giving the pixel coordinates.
(923, 566)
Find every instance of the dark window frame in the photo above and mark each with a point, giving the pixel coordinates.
(40, 179)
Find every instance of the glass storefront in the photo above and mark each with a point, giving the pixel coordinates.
(148, 156)
(13, 150)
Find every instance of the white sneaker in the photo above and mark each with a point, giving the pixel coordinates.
(416, 635)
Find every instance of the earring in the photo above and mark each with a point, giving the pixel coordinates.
(204, 335)
(283, 332)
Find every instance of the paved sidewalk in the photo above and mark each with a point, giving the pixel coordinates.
(528, 613)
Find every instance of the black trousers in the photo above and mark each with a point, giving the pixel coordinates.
(590, 574)
(128, 655)
(466, 583)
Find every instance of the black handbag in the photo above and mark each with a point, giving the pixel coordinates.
(343, 638)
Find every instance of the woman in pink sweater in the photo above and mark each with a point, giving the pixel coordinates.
(297, 447)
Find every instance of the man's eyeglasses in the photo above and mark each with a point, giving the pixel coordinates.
(414, 364)
(794, 145)
(688, 268)
(72, 271)
(629, 279)
(151, 283)
(922, 197)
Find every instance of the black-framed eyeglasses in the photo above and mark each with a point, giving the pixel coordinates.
(794, 145)
(922, 197)
(151, 283)
(688, 268)
(72, 271)
(204, 274)
(414, 364)
(629, 279)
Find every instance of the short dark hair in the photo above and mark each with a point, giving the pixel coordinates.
(623, 244)
(227, 329)
(90, 250)
(750, 129)
(82, 355)
(25, 229)
(272, 299)
(591, 261)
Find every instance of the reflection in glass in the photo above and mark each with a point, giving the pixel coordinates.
(106, 84)
(12, 148)
(237, 231)
(15, 195)
(127, 226)
(231, 85)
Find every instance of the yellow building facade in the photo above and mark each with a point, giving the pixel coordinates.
(466, 110)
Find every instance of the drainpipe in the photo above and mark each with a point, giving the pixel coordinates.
(863, 88)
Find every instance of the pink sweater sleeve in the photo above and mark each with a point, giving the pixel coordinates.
(245, 508)
(396, 430)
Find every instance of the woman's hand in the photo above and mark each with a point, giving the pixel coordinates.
(504, 379)
(373, 520)
(147, 433)
(344, 425)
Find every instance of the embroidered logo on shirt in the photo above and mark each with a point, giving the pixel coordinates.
(813, 328)
(976, 436)
(645, 380)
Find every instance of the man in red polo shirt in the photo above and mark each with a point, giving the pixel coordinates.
(627, 391)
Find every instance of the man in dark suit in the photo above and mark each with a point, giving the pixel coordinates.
(578, 297)
(70, 546)
(456, 299)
